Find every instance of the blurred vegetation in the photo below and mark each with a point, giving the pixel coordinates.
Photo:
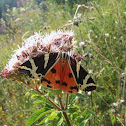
(4, 4)
(101, 35)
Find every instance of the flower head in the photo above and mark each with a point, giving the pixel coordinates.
(37, 45)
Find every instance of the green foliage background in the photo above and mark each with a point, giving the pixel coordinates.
(103, 30)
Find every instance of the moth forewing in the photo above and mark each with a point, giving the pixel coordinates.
(55, 60)
(46, 59)
(70, 65)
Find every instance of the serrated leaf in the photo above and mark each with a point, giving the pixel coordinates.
(81, 96)
(37, 115)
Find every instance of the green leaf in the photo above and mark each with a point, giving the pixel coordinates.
(60, 122)
(72, 99)
(87, 113)
(49, 124)
(113, 119)
(37, 115)
(84, 122)
(44, 101)
(81, 96)
(85, 116)
(43, 121)
(38, 102)
(124, 106)
(72, 109)
(52, 116)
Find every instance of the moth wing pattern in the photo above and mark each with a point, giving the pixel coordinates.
(61, 77)
(68, 84)
(52, 78)
(84, 81)
(38, 67)
(69, 77)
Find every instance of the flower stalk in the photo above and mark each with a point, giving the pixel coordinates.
(62, 108)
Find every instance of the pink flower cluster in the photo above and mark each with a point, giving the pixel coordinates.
(40, 44)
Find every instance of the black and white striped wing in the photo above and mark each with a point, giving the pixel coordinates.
(38, 66)
(83, 79)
